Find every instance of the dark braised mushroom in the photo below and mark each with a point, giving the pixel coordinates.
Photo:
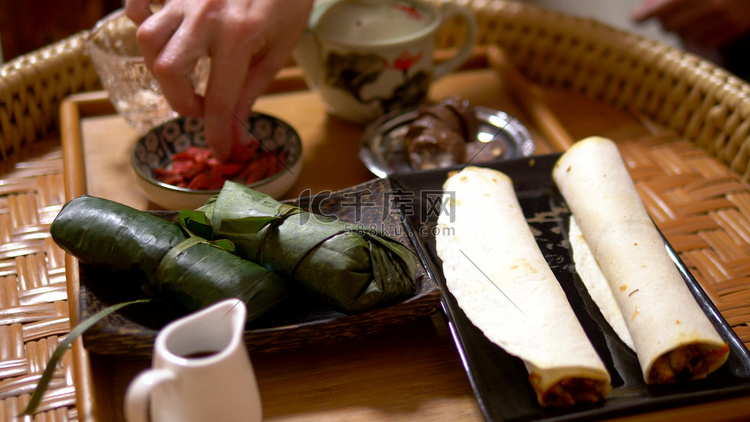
(439, 136)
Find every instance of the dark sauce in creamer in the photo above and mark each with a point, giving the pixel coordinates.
(200, 354)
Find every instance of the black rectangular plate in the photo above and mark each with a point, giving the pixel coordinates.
(499, 380)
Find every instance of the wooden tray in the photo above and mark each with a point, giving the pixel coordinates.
(634, 138)
(691, 168)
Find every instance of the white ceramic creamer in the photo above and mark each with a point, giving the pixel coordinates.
(200, 371)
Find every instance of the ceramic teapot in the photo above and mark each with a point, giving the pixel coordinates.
(369, 57)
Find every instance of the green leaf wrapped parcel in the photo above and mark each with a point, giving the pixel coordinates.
(353, 270)
(185, 271)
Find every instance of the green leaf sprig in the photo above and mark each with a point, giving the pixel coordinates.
(41, 388)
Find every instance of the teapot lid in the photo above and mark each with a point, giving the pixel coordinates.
(371, 21)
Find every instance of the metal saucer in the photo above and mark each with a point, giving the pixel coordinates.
(382, 148)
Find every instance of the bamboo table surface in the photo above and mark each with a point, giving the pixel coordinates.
(412, 372)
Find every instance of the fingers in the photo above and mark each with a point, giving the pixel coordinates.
(262, 70)
(709, 24)
(662, 9)
(248, 42)
(650, 9)
(222, 124)
(267, 62)
(138, 10)
(171, 52)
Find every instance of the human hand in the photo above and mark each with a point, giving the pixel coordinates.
(248, 41)
(702, 23)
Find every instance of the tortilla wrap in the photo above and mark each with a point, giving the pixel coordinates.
(673, 338)
(499, 277)
(596, 284)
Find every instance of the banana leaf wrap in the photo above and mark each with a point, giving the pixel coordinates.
(353, 269)
(188, 273)
(99, 231)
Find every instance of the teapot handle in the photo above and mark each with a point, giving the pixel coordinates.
(449, 11)
(139, 391)
(305, 54)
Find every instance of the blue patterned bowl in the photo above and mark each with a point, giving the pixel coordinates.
(156, 147)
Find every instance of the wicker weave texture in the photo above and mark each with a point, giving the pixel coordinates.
(32, 87)
(699, 101)
(703, 210)
(33, 293)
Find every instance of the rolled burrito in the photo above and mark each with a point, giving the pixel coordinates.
(500, 279)
(673, 338)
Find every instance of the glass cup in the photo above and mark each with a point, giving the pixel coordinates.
(133, 90)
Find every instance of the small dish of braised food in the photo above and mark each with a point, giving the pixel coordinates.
(449, 133)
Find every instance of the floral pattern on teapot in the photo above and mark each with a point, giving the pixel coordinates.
(353, 72)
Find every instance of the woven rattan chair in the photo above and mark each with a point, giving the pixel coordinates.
(693, 178)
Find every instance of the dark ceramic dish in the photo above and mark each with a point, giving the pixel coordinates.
(499, 380)
(298, 322)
